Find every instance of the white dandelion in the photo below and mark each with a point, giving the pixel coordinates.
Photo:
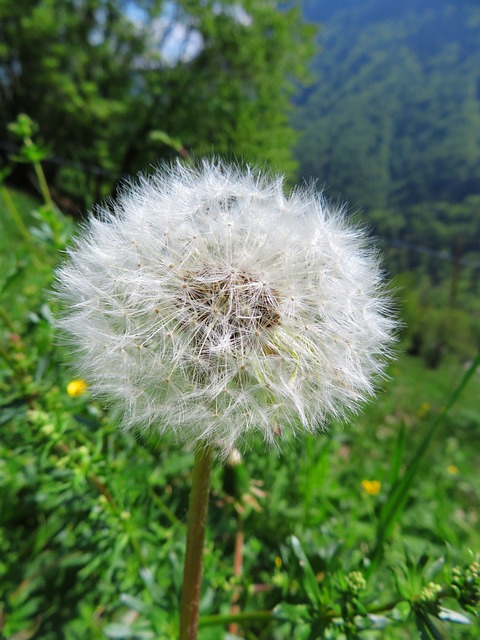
(207, 305)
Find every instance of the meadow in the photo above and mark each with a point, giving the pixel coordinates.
(368, 531)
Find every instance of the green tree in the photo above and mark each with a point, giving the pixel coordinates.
(102, 76)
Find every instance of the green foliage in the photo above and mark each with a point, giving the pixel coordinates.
(98, 78)
(392, 126)
(92, 521)
(394, 118)
(436, 325)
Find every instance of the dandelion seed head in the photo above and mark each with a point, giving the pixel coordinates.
(207, 305)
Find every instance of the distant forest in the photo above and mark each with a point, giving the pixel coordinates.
(393, 116)
(391, 126)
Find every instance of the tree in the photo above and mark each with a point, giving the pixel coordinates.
(100, 76)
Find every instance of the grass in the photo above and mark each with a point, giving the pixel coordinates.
(92, 524)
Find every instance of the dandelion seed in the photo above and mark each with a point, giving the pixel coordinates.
(252, 312)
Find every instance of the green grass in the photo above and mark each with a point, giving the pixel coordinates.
(92, 521)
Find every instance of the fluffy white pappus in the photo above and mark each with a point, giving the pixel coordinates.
(207, 305)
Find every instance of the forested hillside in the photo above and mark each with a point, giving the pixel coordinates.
(391, 125)
(394, 116)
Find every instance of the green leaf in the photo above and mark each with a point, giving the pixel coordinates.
(452, 616)
(23, 126)
(398, 453)
(435, 633)
(309, 581)
(32, 153)
(134, 603)
(12, 273)
(5, 171)
(122, 631)
(27, 632)
(435, 567)
(428, 631)
(163, 137)
(156, 592)
(378, 621)
(292, 612)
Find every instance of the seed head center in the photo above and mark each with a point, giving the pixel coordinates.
(229, 309)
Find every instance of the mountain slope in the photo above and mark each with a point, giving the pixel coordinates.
(394, 116)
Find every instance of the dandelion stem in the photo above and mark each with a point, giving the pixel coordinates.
(197, 519)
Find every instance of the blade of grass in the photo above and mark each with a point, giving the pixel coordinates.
(309, 581)
(398, 454)
(400, 490)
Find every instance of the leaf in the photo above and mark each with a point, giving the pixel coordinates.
(435, 633)
(133, 603)
(398, 453)
(292, 612)
(359, 607)
(12, 274)
(164, 138)
(5, 171)
(154, 589)
(31, 154)
(309, 581)
(378, 622)
(435, 567)
(426, 628)
(123, 631)
(28, 632)
(453, 616)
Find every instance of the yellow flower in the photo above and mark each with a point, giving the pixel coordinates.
(424, 409)
(372, 487)
(76, 388)
(452, 469)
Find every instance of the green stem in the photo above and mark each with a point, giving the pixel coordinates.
(246, 616)
(254, 616)
(42, 183)
(168, 513)
(17, 218)
(387, 606)
(197, 520)
(6, 318)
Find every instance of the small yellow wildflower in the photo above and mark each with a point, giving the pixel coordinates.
(452, 469)
(372, 487)
(424, 409)
(76, 388)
